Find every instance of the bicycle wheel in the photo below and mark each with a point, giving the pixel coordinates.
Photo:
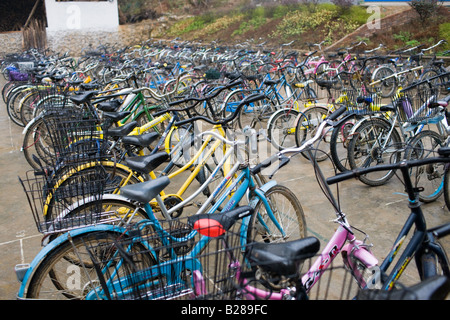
(36, 141)
(288, 213)
(432, 260)
(27, 106)
(306, 126)
(281, 128)
(429, 177)
(13, 104)
(322, 72)
(230, 104)
(339, 143)
(372, 144)
(387, 83)
(257, 114)
(69, 273)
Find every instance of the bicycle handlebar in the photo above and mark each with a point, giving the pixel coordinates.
(444, 157)
(158, 96)
(246, 101)
(281, 155)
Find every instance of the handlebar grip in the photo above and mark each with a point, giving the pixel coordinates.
(264, 164)
(337, 113)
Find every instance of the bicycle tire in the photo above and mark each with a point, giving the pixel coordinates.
(281, 128)
(68, 273)
(289, 215)
(432, 261)
(33, 144)
(364, 150)
(256, 115)
(388, 83)
(447, 187)
(13, 106)
(339, 143)
(429, 177)
(27, 106)
(306, 125)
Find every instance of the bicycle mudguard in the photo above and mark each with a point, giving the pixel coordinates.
(264, 188)
(29, 124)
(53, 245)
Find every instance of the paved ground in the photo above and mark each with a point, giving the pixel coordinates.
(380, 211)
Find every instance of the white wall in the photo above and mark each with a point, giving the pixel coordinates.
(82, 15)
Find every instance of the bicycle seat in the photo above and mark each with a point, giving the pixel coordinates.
(271, 82)
(283, 258)
(145, 164)
(109, 106)
(122, 130)
(142, 140)
(145, 191)
(116, 116)
(82, 97)
(215, 224)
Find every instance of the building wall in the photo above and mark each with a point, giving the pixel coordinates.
(75, 40)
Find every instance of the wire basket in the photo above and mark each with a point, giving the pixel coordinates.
(70, 138)
(412, 103)
(52, 200)
(51, 97)
(363, 103)
(335, 283)
(175, 262)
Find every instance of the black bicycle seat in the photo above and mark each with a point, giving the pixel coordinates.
(145, 191)
(82, 97)
(145, 164)
(283, 258)
(142, 140)
(122, 130)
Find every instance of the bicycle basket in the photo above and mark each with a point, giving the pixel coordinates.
(69, 139)
(412, 103)
(171, 263)
(364, 104)
(52, 200)
(335, 283)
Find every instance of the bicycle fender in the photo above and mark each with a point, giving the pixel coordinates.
(29, 124)
(53, 245)
(264, 188)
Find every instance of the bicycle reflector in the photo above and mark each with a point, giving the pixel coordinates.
(209, 227)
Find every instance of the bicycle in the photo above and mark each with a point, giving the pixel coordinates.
(424, 245)
(376, 140)
(261, 198)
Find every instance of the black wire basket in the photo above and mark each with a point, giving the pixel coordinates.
(52, 200)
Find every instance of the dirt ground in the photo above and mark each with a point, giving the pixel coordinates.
(380, 212)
